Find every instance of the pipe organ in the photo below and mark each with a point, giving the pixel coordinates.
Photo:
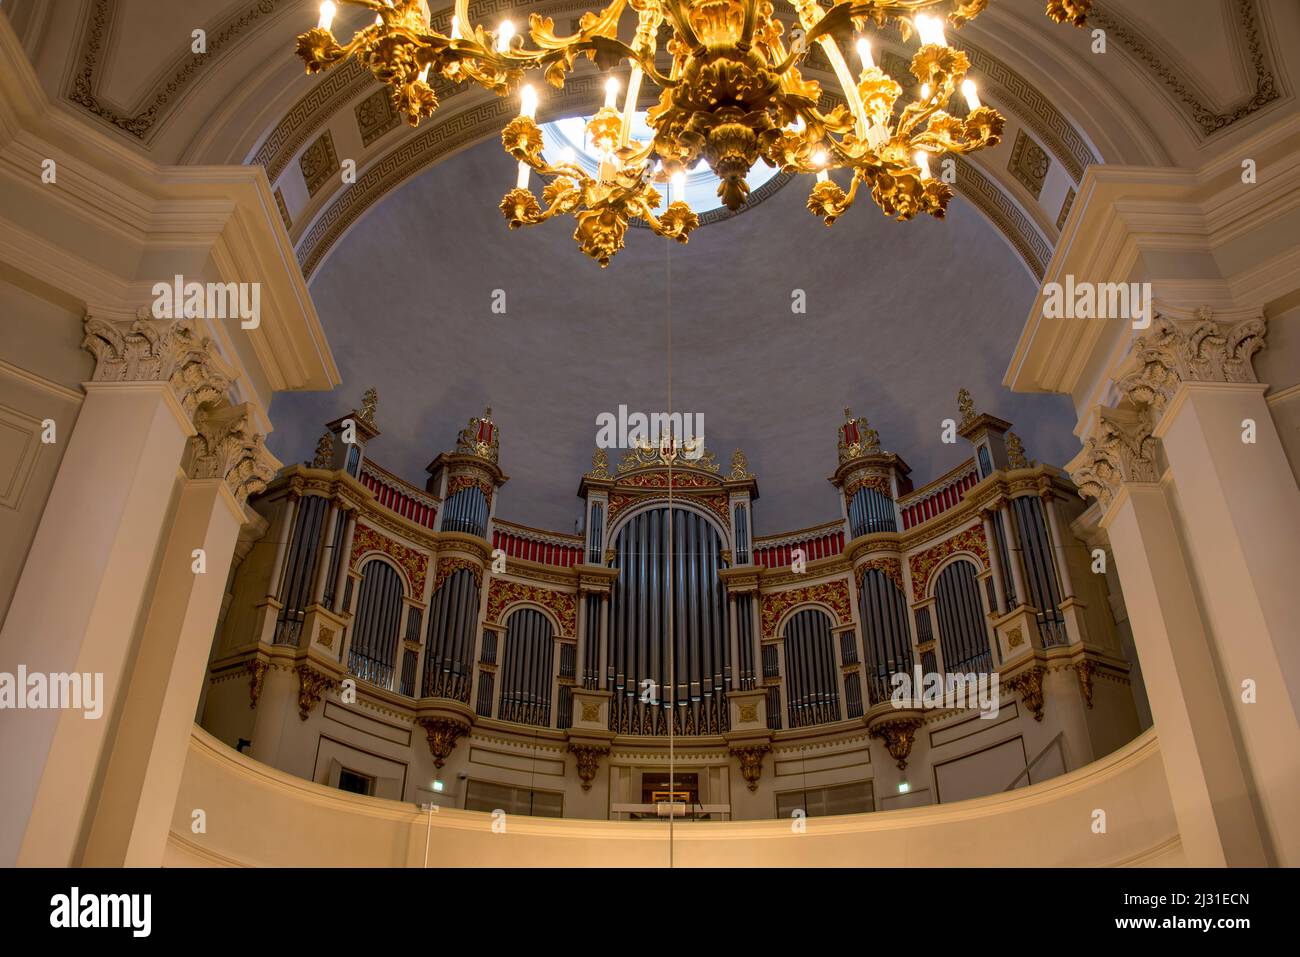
(453, 622)
(375, 633)
(669, 657)
(665, 613)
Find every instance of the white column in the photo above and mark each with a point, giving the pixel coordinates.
(1207, 783)
(143, 774)
(88, 574)
(1240, 512)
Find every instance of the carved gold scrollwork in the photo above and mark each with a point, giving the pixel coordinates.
(898, 735)
(588, 757)
(312, 686)
(442, 734)
(751, 762)
(1029, 685)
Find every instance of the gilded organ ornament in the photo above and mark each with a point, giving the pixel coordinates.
(731, 95)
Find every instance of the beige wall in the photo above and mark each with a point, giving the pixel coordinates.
(258, 816)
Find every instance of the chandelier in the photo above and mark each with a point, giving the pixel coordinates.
(732, 94)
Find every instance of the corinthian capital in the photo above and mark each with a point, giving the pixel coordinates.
(225, 447)
(145, 349)
(1120, 449)
(1201, 349)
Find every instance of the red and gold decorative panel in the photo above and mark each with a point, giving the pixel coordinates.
(892, 568)
(717, 504)
(660, 480)
(414, 565)
(833, 593)
(970, 540)
(449, 566)
(502, 594)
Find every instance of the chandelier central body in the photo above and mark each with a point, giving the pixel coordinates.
(731, 95)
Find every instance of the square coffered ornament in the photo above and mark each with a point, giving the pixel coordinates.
(319, 162)
(1029, 163)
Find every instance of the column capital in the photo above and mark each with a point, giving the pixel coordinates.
(145, 349)
(1120, 449)
(1203, 348)
(225, 447)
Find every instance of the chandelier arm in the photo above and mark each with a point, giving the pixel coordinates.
(681, 23)
(751, 22)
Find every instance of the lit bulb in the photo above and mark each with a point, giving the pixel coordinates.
(819, 160)
(528, 101)
(455, 27)
(505, 33)
(327, 10)
(925, 92)
(379, 20)
(930, 30)
(678, 183)
(611, 92)
(923, 160)
(972, 97)
(424, 74)
(864, 53)
(521, 181)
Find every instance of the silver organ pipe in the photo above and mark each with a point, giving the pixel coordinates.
(870, 512)
(1040, 569)
(887, 643)
(527, 664)
(667, 625)
(812, 685)
(452, 621)
(373, 653)
(963, 631)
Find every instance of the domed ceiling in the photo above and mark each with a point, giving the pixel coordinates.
(899, 317)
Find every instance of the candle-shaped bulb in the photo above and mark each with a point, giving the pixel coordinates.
(678, 183)
(528, 101)
(925, 92)
(521, 181)
(455, 27)
(379, 20)
(327, 10)
(505, 33)
(923, 160)
(424, 73)
(972, 96)
(864, 53)
(611, 92)
(819, 160)
(930, 30)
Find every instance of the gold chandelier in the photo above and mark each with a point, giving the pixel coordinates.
(732, 95)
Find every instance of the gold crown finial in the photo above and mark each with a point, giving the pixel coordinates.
(848, 413)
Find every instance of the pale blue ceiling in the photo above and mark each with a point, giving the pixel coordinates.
(900, 316)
